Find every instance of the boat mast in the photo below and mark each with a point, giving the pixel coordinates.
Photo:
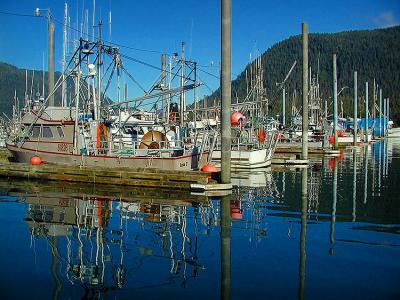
(182, 98)
(97, 102)
(65, 41)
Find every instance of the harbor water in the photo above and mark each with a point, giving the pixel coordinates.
(325, 232)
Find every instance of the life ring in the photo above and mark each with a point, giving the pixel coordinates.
(171, 116)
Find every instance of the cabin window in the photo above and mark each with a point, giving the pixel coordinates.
(60, 132)
(46, 132)
(35, 131)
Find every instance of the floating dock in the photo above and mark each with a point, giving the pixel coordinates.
(146, 177)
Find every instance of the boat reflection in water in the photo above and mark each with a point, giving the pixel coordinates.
(281, 233)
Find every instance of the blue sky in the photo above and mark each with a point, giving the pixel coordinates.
(161, 26)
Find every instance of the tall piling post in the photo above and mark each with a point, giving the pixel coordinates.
(304, 149)
(283, 107)
(366, 113)
(335, 107)
(355, 110)
(225, 91)
(50, 82)
(380, 113)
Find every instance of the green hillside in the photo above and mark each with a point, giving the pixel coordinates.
(13, 79)
(372, 53)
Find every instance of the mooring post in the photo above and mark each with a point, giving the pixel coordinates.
(304, 149)
(355, 110)
(366, 113)
(225, 91)
(380, 113)
(283, 107)
(335, 108)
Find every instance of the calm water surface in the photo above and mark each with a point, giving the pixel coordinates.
(332, 231)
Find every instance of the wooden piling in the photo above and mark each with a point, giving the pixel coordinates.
(304, 153)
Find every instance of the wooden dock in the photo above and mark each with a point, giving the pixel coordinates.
(178, 180)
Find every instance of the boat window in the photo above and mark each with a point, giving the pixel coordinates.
(46, 132)
(35, 131)
(60, 132)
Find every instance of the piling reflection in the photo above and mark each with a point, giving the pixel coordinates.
(303, 233)
(226, 247)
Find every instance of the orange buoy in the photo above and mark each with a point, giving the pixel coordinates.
(237, 119)
(209, 168)
(35, 160)
(340, 133)
(261, 135)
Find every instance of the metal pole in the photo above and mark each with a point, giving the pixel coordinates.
(225, 91)
(387, 114)
(163, 85)
(50, 29)
(386, 119)
(283, 107)
(380, 113)
(335, 107)
(373, 109)
(182, 96)
(366, 113)
(64, 85)
(355, 110)
(304, 149)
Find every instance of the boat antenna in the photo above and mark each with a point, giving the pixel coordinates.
(33, 76)
(42, 74)
(93, 17)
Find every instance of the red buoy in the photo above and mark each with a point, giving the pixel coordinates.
(209, 168)
(237, 119)
(331, 139)
(35, 160)
(340, 133)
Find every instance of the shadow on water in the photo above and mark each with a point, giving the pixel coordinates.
(281, 234)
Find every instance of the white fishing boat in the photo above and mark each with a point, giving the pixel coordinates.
(91, 132)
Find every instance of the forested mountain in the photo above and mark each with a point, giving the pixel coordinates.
(372, 53)
(14, 80)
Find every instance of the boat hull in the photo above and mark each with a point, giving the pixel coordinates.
(179, 163)
(245, 159)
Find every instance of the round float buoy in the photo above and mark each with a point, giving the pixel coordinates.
(35, 160)
(340, 133)
(237, 119)
(209, 168)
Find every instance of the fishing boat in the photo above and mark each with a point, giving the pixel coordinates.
(92, 130)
